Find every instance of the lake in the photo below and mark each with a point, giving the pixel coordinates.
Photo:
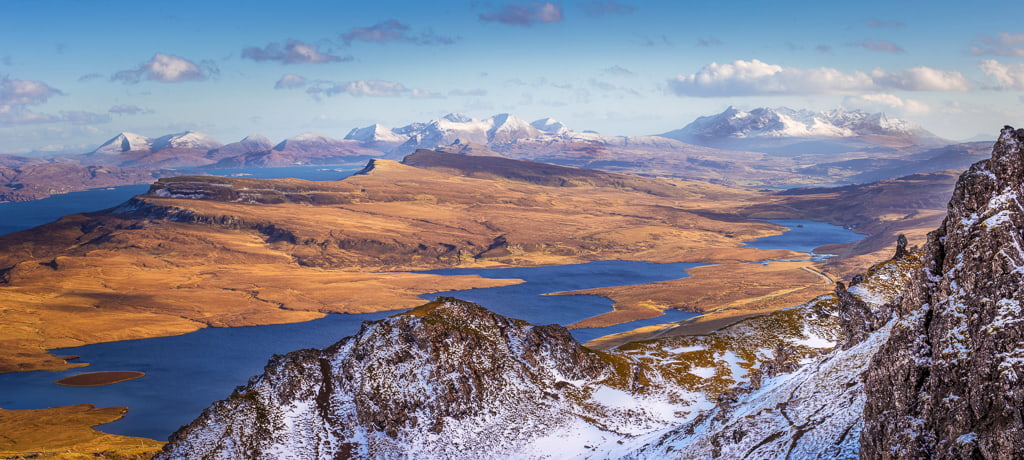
(186, 373)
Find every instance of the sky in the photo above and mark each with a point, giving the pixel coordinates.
(74, 73)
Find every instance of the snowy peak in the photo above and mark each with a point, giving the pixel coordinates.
(506, 127)
(782, 122)
(458, 118)
(250, 144)
(551, 126)
(376, 133)
(186, 140)
(308, 139)
(257, 140)
(124, 142)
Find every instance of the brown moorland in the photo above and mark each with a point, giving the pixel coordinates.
(206, 251)
(66, 432)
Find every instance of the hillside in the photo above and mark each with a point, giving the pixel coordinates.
(35, 181)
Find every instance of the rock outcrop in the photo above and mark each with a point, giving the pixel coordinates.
(947, 384)
(443, 380)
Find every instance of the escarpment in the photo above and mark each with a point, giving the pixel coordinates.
(947, 383)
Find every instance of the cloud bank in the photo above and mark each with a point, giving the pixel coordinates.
(755, 78)
(524, 14)
(291, 52)
(166, 68)
(394, 31)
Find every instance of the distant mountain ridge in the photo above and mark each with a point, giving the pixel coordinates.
(803, 131)
(784, 122)
(804, 147)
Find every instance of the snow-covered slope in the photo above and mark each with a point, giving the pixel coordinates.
(788, 123)
(185, 140)
(376, 133)
(250, 144)
(452, 380)
(124, 142)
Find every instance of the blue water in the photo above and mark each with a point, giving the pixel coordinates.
(526, 301)
(185, 374)
(804, 236)
(23, 215)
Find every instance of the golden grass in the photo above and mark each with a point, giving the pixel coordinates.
(727, 290)
(90, 279)
(66, 432)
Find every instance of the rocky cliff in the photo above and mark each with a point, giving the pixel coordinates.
(947, 383)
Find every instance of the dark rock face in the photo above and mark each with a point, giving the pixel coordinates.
(947, 384)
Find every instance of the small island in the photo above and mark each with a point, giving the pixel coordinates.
(95, 379)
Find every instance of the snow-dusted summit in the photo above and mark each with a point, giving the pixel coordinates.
(376, 133)
(124, 142)
(186, 140)
(784, 122)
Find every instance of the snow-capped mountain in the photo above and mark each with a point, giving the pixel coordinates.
(735, 128)
(185, 140)
(445, 131)
(124, 142)
(551, 126)
(376, 133)
(250, 144)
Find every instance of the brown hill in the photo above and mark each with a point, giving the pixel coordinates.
(35, 181)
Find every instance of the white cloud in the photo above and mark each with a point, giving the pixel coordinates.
(166, 68)
(754, 77)
(1006, 76)
(745, 78)
(1004, 44)
(921, 79)
(291, 52)
(525, 14)
(369, 88)
(875, 102)
(25, 92)
(879, 45)
(17, 95)
(394, 31)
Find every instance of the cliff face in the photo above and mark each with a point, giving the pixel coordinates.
(947, 383)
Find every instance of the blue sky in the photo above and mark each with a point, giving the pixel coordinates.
(75, 73)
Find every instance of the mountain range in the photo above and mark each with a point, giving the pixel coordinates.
(762, 147)
(777, 130)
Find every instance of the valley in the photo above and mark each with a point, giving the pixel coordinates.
(203, 251)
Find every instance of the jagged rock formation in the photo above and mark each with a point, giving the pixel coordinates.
(446, 380)
(947, 383)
